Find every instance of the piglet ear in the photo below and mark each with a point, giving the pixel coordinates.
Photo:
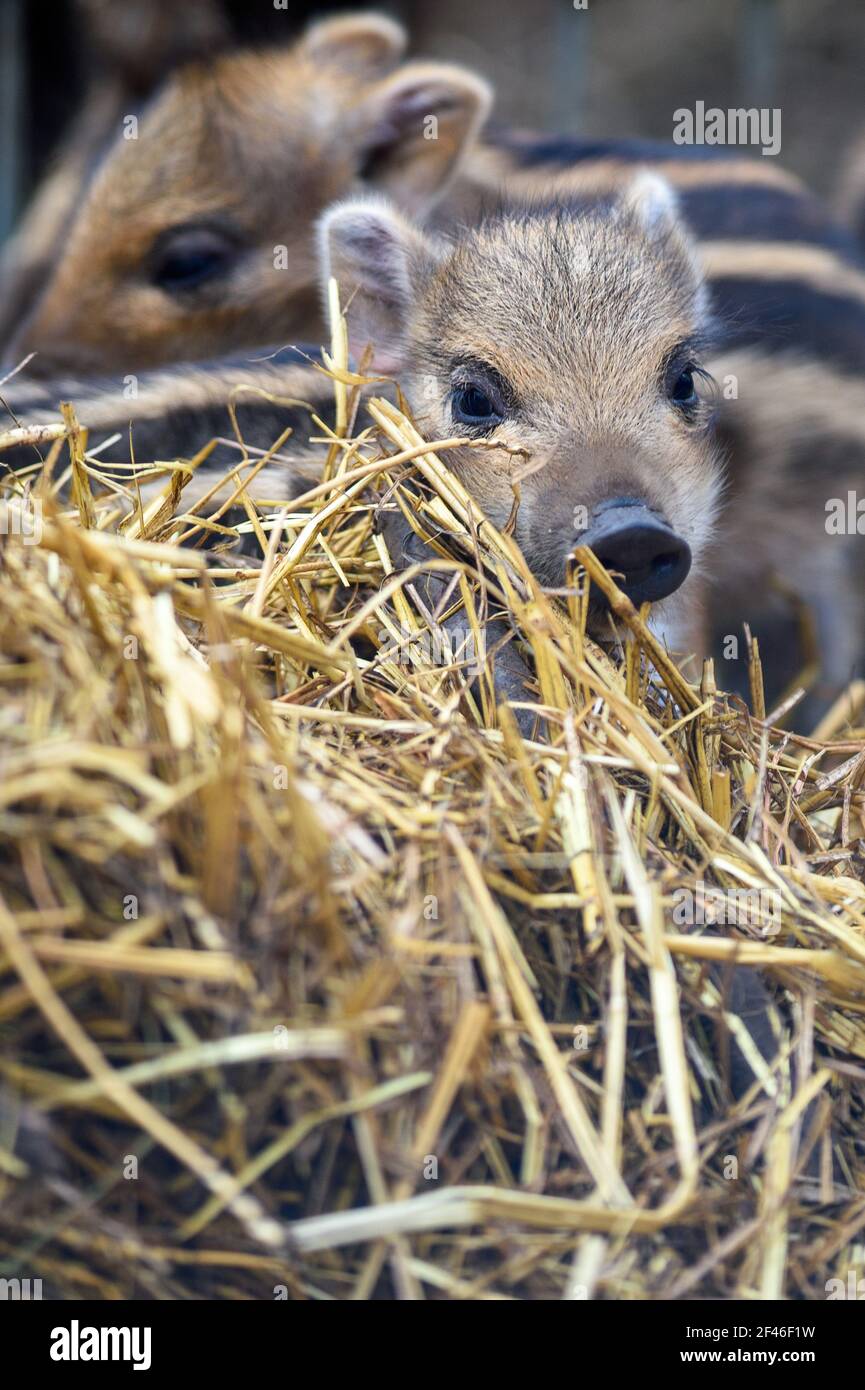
(378, 260)
(364, 45)
(651, 202)
(415, 128)
(653, 206)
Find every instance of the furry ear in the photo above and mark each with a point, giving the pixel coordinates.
(651, 203)
(377, 258)
(416, 126)
(363, 45)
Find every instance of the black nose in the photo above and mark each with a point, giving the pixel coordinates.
(646, 558)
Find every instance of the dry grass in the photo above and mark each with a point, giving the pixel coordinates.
(316, 974)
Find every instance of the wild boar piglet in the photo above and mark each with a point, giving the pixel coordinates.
(194, 235)
(572, 339)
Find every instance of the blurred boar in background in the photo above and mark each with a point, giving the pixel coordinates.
(194, 235)
(130, 49)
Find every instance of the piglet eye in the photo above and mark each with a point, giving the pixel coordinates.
(684, 392)
(185, 257)
(472, 406)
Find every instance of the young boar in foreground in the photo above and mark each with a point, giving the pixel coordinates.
(574, 341)
(583, 338)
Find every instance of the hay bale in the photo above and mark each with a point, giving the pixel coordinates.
(317, 976)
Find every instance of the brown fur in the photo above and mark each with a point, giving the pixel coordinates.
(246, 405)
(813, 266)
(489, 169)
(577, 317)
(254, 146)
(130, 49)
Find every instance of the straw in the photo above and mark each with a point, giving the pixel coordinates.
(318, 975)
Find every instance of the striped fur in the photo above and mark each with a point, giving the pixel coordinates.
(256, 145)
(248, 402)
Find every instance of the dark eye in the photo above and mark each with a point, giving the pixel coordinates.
(683, 392)
(472, 406)
(183, 259)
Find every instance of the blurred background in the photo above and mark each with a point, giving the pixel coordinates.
(615, 67)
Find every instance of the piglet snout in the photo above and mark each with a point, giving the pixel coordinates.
(643, 554)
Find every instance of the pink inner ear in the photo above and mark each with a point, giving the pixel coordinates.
(385, 361)
(420, 99)
(374, 259)
(367, 242)
(404, 107)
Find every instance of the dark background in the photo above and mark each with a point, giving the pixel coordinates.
(619, 67)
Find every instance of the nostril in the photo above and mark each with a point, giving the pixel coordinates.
(665, 564)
